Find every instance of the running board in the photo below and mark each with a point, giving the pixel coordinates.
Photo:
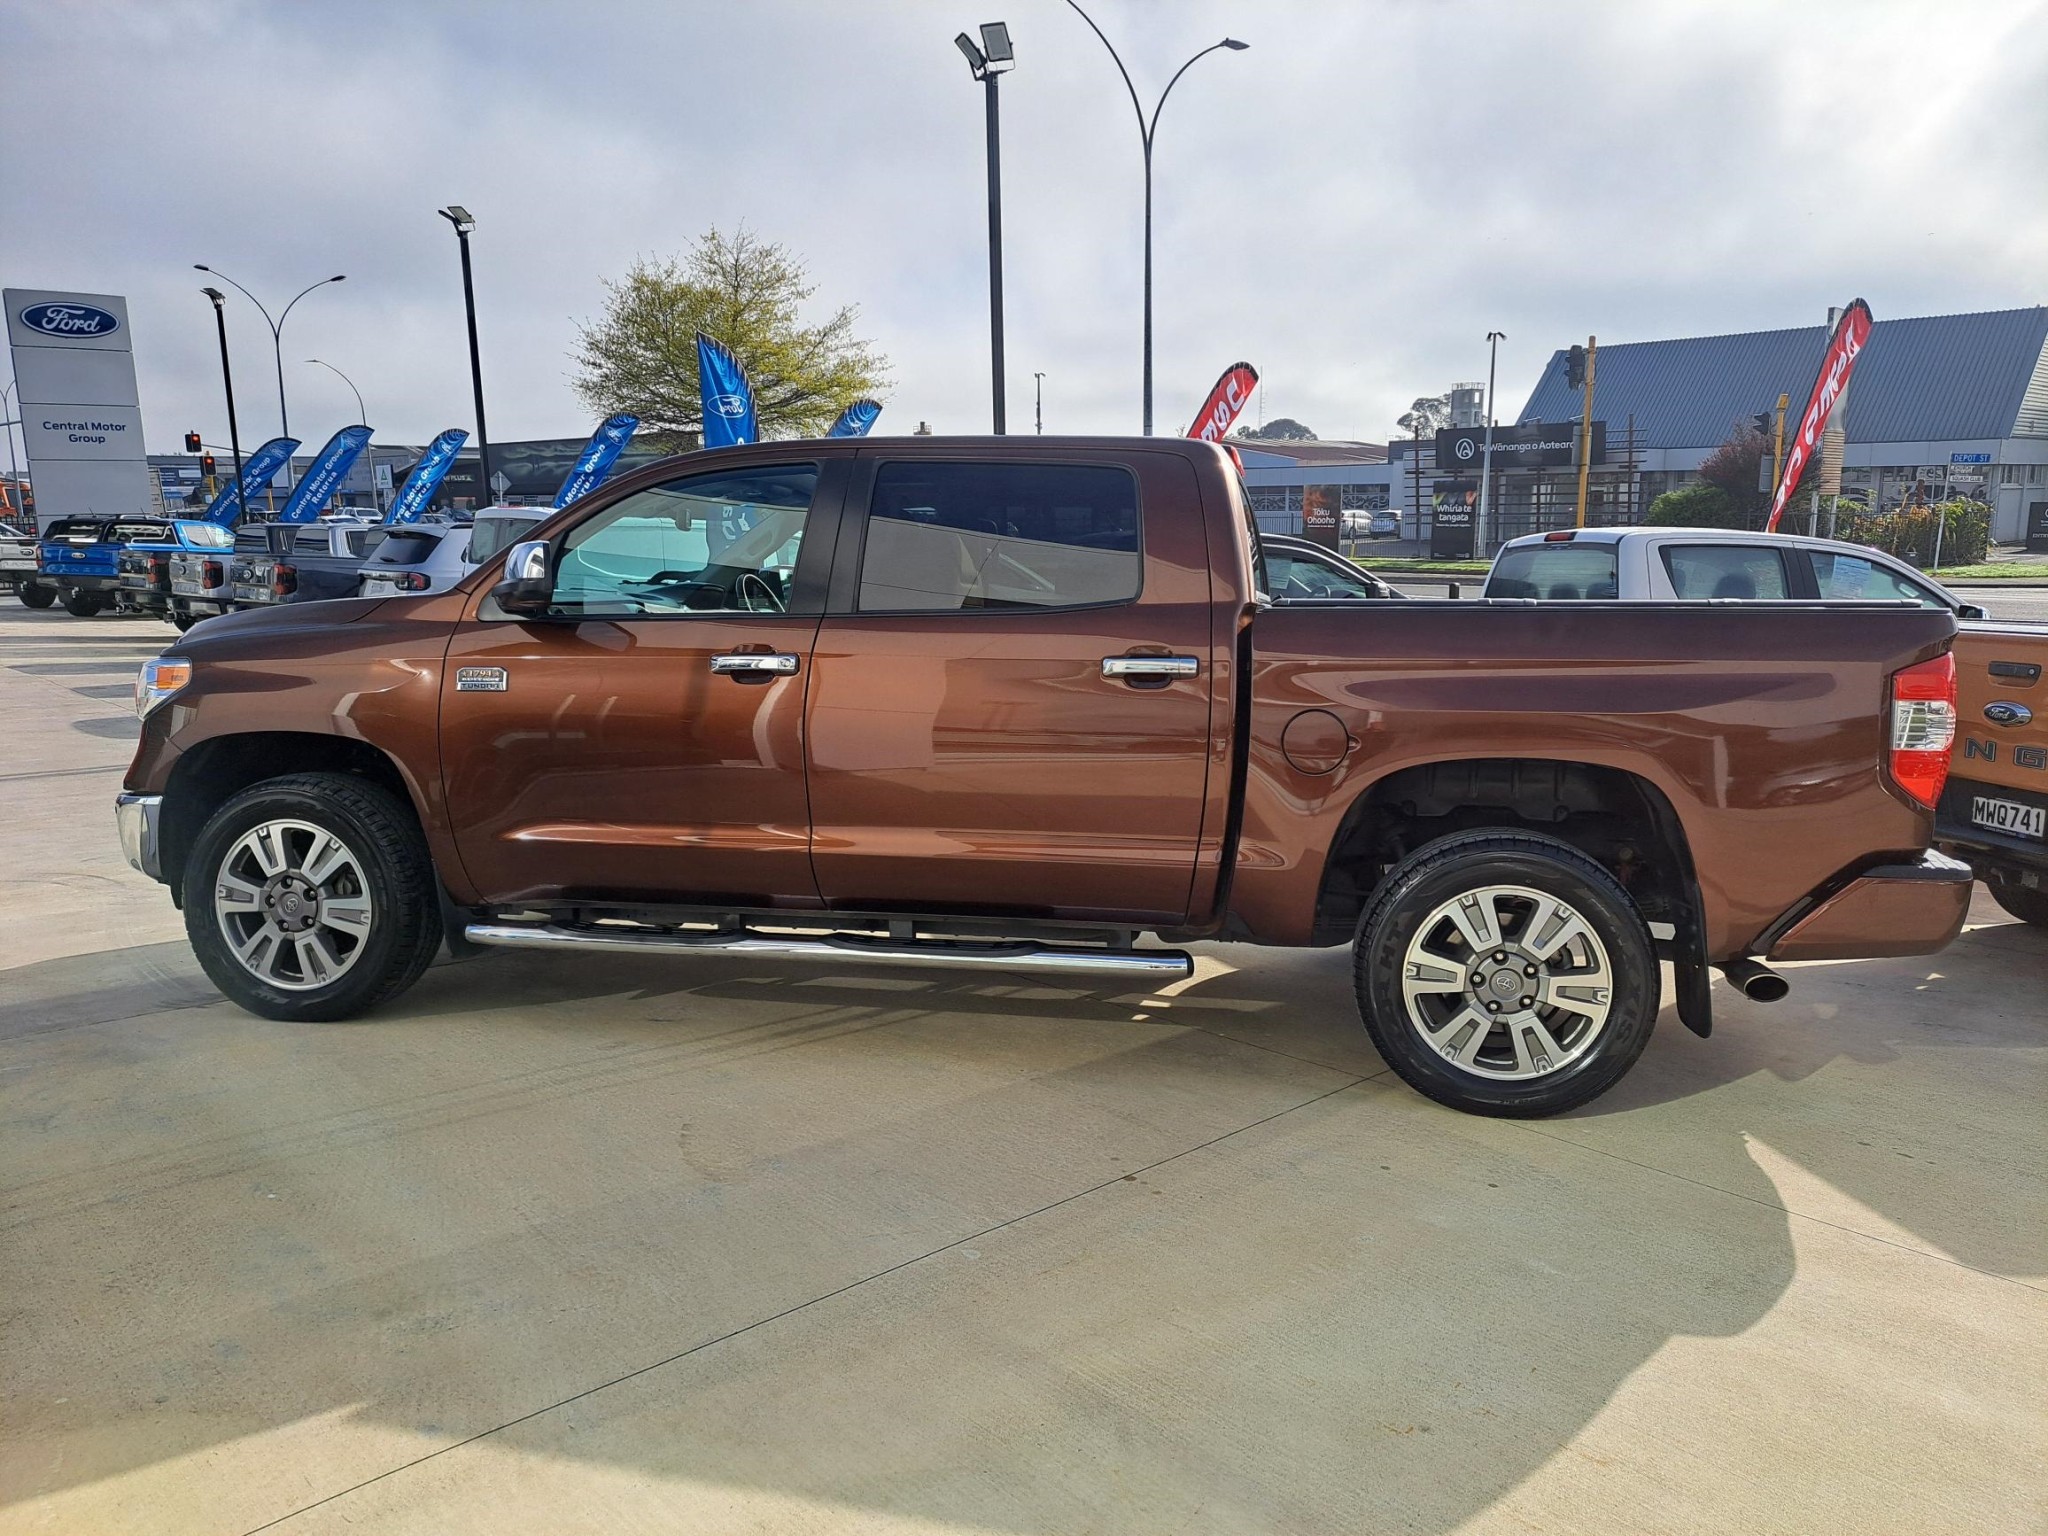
(1151, 965)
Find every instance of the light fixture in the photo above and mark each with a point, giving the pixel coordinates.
(459, 216)
(976, 60)
(1234, 45)
(995, 42)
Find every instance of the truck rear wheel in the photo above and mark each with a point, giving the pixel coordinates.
(312, 897)
(2027, 903)
(35, 595)
(1506, 974)
(83, 605)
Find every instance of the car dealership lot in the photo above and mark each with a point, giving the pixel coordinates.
(564, 1243)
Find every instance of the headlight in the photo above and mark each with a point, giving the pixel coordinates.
(159, 680)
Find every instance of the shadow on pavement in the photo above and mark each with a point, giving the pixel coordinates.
(984, 1251)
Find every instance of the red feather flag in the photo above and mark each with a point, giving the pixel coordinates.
(1225, 401)
(1852, 330)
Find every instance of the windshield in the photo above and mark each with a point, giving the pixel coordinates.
(206, 536)
(1556, 572)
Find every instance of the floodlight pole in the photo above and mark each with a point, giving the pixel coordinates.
(995, 249)
(227, 379)
(1493, 341)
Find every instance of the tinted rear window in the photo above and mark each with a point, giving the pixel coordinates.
(1554, 572)
(75, 530)
(408, 546)
(492, 536)
(947, 537)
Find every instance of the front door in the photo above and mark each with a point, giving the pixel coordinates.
(1010, 707)
(645, 741)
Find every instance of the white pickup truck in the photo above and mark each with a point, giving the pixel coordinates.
(1673, 565)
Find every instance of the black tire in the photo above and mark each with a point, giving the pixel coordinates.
(1451, 871)
(83, 605)
(35, 595)
(387, 851)
(2027, 903)
(182, 621)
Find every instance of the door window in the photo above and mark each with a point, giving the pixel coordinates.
(1295, 575)
(1846, 577)
(1746, 572)
(945, 538)
(717, 543)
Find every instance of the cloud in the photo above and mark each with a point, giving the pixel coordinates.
(1352, 203)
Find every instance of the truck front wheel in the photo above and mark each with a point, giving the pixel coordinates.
(1506, 974)
(311, 897)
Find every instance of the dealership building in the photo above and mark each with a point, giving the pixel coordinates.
(1938, 404)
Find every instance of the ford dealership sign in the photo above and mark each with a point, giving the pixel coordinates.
(69, 320)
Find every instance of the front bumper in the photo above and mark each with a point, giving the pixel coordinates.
(1894, 909)
(137, 818)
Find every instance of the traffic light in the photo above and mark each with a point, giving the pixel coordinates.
(191, 442)
(1575, 368)
(206, 465)
(1762, 422)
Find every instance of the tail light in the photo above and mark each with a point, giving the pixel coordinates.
(412, 581)
(212, 573)
(284, 581)
(1923, 728)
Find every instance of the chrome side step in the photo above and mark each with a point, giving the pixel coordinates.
(1151, 965)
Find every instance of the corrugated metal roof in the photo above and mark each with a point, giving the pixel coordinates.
(1933, 378)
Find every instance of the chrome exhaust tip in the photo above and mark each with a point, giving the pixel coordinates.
(1758, 983)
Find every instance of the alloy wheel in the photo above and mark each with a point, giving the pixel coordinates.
(293, 904)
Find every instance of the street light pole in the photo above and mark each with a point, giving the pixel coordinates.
(362, 419)
(1493, 341)
(1038, 408)
(1146, 130)
(284, 421)
(227, 379)
(459, 216)
(989, 62)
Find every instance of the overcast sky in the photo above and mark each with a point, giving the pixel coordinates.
(1351, 204)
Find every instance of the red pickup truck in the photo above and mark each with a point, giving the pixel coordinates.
(1014, 702)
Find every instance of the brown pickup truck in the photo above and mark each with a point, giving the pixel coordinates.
(1994, 813)
(1014, 702)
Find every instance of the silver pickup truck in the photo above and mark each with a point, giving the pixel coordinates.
(201, 583)
(323, 559)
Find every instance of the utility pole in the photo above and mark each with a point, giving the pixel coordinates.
(1778, 446)
(1586, 428)
(1038, 409)
(1493, 341)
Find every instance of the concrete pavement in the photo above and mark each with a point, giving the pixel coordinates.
(612, 1244)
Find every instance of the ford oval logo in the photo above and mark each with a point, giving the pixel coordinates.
(69, 320)
(729, 405)
(2005, 712)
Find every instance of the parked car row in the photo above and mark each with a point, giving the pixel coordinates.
(185, 570)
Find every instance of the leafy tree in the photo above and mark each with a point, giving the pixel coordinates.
(1699, 505)
(1279, 429)
(1427, 416)
(640, 355)
(1735, 467)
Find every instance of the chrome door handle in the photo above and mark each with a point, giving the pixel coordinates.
(1150, 666)
(754, 661)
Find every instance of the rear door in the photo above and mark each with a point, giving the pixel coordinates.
(1011, 693)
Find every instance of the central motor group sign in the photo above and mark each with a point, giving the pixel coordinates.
(79, 417)
(1536, 445)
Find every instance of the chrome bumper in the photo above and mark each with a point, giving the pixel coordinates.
(136, 817)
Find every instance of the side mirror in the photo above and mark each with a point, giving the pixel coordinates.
(1972, 611)
(526, 589)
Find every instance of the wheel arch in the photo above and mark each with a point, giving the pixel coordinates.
(1622, 820)
(210, 773)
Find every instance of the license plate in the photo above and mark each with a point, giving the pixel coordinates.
(2009, 816)
(186, 588)
(379, 586)
(251, 594)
